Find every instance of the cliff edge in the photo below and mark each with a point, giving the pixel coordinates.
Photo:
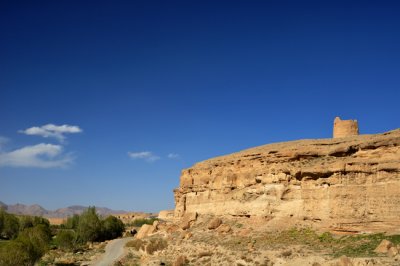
(349, 184)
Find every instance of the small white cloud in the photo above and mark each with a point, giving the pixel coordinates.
(144, 155)
(52, 131)
(173, 156)
(41, 156)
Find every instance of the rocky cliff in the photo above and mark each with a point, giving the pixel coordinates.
(347, 184)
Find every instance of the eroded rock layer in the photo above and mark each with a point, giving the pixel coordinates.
(347, 184)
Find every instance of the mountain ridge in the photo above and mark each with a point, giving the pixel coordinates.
(37, 210)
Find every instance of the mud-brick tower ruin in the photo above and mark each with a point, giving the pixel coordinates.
(344, 128)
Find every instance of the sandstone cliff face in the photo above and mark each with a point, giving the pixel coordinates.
(347, 184)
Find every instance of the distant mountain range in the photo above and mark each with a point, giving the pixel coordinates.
(37, 210)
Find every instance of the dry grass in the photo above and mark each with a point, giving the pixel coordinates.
(135, 243)
(155, 245)
(149, 245)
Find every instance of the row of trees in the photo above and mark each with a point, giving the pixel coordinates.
(11, 225)
(88, 227)
(29, 239)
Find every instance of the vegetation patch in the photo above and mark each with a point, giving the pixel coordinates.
(149, 245)
(135, 243)
(28, 238)
(25, 239)
(362, 245)
(88, 227)
(3, 242)
(141, 221)
(156, 244)
(130, 259)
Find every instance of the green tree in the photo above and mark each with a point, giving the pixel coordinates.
(72, 222)
(10, 226)
(31, 221)
(112, 227)
(66, 239)
(36, 241)
(25, 222)
(89, 228)
(40, 220)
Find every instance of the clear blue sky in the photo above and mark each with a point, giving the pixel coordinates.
(147, 88)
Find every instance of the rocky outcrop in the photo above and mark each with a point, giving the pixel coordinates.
(146, 230)
(348, 184)
(384, 246)
(166, 215)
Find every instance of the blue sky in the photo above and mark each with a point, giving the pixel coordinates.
(104, 102)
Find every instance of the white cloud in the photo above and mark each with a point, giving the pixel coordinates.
(41, 156)
(173, 156)
(52, 131)
(144, 155)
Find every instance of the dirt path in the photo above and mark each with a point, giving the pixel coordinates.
(114, 251)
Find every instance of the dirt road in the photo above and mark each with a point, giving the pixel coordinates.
(114, 251)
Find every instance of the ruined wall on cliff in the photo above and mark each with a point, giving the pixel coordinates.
(346, 184)
(344, 128)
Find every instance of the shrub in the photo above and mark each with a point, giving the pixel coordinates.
(25, 222)
(326, 237)
(27, 248)
(31, 221)
(150, 246)
(136, 244)
(89, 227)
(10, 226)
(36, 240)
(141, 221)
(155, 245)
(112, 228)
(72, 222)
(14, 253)
(66, 239)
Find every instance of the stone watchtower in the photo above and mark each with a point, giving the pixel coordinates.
(344, 128)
